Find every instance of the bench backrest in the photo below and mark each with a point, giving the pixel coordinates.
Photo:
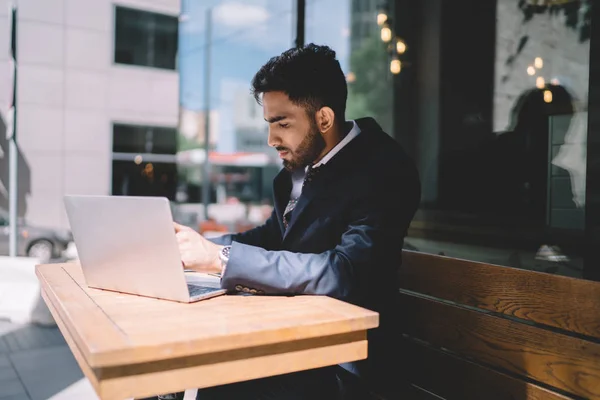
(480, 331)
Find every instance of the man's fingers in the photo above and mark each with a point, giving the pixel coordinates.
(185, 246)
(180, 228)
(187, 259)
(181, 237)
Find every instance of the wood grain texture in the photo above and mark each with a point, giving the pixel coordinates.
(113, 329)
(558, 360)
(561, 302)
(451, 377)
(132, 346)
(147, 379)
(72, 304)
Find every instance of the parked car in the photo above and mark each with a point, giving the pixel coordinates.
(33, 241)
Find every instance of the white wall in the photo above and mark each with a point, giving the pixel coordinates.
(70, 93)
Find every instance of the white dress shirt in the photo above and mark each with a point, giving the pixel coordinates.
(299, 174)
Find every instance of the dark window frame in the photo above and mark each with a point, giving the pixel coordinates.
(149, 140)
(152, 59)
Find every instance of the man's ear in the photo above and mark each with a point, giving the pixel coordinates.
(325, 118)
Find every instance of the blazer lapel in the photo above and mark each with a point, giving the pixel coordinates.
(282, 187)
(338, 167)
(304, 200)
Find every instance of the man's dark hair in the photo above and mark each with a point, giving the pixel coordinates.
(311, 76)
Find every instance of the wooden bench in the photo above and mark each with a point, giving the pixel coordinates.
(480, 331)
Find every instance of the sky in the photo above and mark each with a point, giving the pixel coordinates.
(245, 34)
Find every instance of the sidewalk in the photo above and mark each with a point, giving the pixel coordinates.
(36, 364)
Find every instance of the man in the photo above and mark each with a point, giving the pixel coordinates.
(343, 204)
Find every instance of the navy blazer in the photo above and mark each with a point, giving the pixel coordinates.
(344, 239)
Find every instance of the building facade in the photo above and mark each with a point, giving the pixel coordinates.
(83, 85)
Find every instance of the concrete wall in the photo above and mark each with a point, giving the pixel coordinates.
(69, 94)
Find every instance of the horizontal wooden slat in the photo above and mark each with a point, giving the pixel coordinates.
(558, 360)
(562, 302)
(454, 378)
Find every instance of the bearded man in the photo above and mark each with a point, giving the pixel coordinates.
(343, 204)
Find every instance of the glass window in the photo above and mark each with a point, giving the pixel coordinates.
(164, 140)
(129, 139)
(243, 36)
(496, 118)
(133, 178)
(144, 139)
(144, 161)
(350, 28)
(145, 38)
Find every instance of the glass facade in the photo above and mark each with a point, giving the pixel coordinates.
(495, 116)
(493, 99)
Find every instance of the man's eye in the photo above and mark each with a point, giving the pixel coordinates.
(283, 125)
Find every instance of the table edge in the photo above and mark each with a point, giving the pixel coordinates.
(126, 353)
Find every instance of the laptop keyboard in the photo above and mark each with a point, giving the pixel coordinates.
(196, 290)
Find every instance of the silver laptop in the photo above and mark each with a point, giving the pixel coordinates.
(127, 244)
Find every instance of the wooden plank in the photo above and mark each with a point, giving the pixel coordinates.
(561, 302)
(558, 360)
(93, 330)
(454, 378)
(148, 379)
(146, 329)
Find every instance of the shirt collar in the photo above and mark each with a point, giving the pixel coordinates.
(347, 139)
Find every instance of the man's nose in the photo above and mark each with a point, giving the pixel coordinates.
(273, 140)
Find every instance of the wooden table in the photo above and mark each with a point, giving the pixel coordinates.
(131, 346)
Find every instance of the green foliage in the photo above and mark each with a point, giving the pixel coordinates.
(185, 143)
(371, 93)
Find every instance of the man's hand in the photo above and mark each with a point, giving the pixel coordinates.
(197, 253)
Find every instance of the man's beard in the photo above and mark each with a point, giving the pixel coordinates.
(307, 152)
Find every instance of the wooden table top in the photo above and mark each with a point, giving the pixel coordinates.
(113, 329)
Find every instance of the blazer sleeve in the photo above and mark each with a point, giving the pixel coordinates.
(336, 272)
(266, 236)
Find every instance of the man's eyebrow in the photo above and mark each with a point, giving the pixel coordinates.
(275, 119)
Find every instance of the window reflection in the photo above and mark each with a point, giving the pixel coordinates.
(495, 116)
(501, 127)
(144, 161)
(351, 29)
(243, 36)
